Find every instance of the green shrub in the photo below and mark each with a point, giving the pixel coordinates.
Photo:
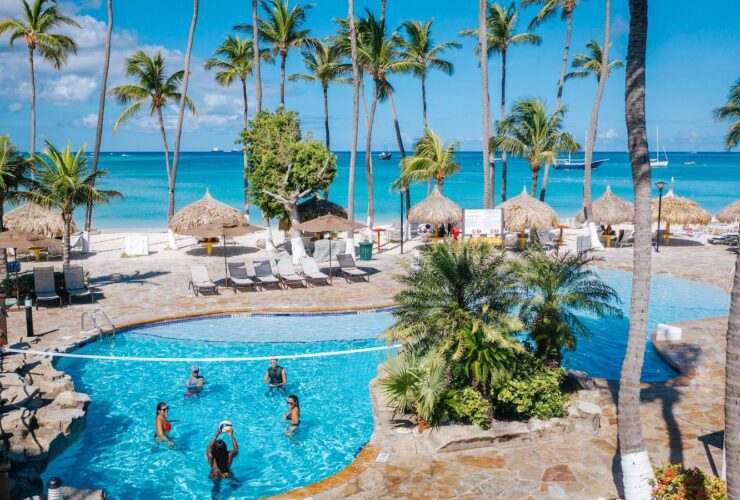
(469, 405)
(673, 482)
(533, 392)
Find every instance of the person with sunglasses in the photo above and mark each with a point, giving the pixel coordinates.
(162, 426)
(194, 384)
(293, 414)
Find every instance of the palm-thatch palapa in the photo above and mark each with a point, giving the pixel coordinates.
(33, 218)
(610, 209)
(525, 212)
(731, 213)
(204, 212)
(678, 210)
(436, 209)
(317, 206)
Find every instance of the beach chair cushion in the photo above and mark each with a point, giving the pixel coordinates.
(347, 265)
(238, 274)
(199, 277)
(288, 272)
(263, 272)
(311, 269)
(43, 281)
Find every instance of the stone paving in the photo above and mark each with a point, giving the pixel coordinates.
(681, 420)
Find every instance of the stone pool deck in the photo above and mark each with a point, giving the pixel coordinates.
(681, 422)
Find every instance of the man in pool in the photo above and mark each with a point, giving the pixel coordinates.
(194, 384)
(275, 376)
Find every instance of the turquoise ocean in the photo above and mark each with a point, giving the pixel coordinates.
(710, 179)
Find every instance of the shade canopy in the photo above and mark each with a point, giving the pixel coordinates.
(436, 209)
(317, 206)
(203, 212)
(33, 218)
(523, 211)
(610, 209)
(227, 228)
(679, 210)
(731, 213)
(23, 240)
(327, 223)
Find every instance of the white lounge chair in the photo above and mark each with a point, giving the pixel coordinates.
(349, 269)
(238, 276)
(263, 273)
(311, 271)
(44, 286)
(288, 274)
(74, 283)
(199, 279)
(627, 239)
(54, 252)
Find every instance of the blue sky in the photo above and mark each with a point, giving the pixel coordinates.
(690, 67)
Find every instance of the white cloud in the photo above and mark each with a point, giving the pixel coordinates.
(609, 135)
(69, 89)
(90, 121)
(15, 107)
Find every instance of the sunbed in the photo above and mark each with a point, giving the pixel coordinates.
(311, 271)
(44, 285)
(348, 268)
(627, 239)
(263, 272)
(74, 283)
(199, 279)
(288, 274)
(238, 276)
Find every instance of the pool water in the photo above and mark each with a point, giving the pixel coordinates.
(117, 451)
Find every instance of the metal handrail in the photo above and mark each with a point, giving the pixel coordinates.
(94, 318)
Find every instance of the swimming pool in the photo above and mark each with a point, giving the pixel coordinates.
(117, 452)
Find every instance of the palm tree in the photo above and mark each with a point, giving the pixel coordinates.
(488, 166)
(419, 49)
(65, 184)
(101, 107)
(502, 35)
(587, 64)
(549, 9)
(731, 112)
(323, 63)
(355, 116)
(635, 462)
(556, 287)
(282, 30)
(433, 159)
(156, 89)
(256, 56)
(36, 27)
(533, 134)
(13, 170)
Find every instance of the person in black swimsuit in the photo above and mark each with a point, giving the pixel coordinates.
(275, 376)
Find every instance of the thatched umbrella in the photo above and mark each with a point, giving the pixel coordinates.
(678, 210)
(33, 218)
(316, 207)
(610, 209)
(523, 211)
(436, 209)
(731, 213)
(203, 212)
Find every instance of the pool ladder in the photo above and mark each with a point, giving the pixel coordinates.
(96, 327)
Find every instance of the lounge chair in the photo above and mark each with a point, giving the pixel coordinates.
(311, 271)
(627, 239)
(288, 274)
(238, 276)
(54, 252)
(44, 285)
(74, 283)
(76, 243)
(199, 279)
(348, 268)
(263, 273)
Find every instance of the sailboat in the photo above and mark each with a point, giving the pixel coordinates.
(569, 164)
(657, 162)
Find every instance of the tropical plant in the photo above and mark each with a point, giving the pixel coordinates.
(355, 117)
(489, 172)
(635, 462)
(587, 64)
(533, 134)
(419, 49)
(556, 287)
(65, 184)
(101, 106)
(322, 61)
(731, 112)
(673, 481)
(501, 35)
(282, 30)
(469, 405)
(36, 27)
(154, 88)
(433, 159)
(13, 180)
(533, 391)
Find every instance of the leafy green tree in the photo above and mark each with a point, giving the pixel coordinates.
(36, 27)
(14, 169)
(154, 88)
(587, 64)
(433, 159)
(285, 168)
(530, 132)
(731, 112)
(556, 287)
(65, 183)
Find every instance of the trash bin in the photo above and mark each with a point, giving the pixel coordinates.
(366, 250)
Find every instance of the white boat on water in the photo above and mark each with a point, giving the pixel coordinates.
(657, 162)
(216, 149)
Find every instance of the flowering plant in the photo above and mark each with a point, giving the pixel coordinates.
(673, 482)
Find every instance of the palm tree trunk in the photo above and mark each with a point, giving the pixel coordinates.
(535, 174)
(399, 139)
(65, 238)
(594, 123)
(256, 55)
(424, 98)
(636, 468)
(545, 176)
(369, 159)
(3, 251)
(355, 118)
(326, 116)
(382, 10)
(101, 108)
(166, 150)
(283, 57)
(181, 111)
(483, 44)
(732, 390)
(244, 150)
(503, 117)
(33, 113)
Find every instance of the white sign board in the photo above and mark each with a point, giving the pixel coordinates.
(483, 222)
(137, 244)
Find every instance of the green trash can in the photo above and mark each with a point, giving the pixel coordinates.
(366, 250)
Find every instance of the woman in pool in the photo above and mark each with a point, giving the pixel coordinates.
(219, 457)
(162, 426)
(293, 414)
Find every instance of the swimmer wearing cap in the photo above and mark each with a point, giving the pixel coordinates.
(195, 383)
